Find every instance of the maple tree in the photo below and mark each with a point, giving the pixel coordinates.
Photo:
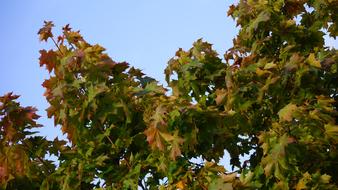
(273, 98)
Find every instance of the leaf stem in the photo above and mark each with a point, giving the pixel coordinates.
(57, 46)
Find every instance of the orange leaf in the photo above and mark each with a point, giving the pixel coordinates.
(153, 138)
(48, 58)
(180, 185)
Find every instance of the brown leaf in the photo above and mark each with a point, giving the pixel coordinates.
(229, 177)
(220, 96)
(31, 113)
(231, 10)
(8, 97)
(70, 130)
(153, 138)
(46, 31)
(48, 58)
(175, 146)
(66, 28)
(9, 130)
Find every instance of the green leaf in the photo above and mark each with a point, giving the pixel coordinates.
(270, 65)
(219, 184)
(262, 17)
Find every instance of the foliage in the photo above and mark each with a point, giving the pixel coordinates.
(273, 98)
(22, 158)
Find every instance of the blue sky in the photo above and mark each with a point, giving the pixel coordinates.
(145, 33)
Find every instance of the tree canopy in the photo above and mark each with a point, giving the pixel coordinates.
(273, 97)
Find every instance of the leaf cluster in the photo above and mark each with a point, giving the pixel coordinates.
(272, 99)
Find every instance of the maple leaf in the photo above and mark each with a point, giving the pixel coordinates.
(49, 84)
(262, 17)
(159, 119)
(156, 132)
(135, 72)
(231, 10)
(219, 184)
(8, 97)
(120, 67)
(48, 58)
(73, 36)
(67, 28)
(106, 61)
(285, 114)
(313, 61)
(302, 183)
(31, 113)
(331, 131)
(154, 138)
(175, 146)
(70, 131)
(46, 31)
(9, 131)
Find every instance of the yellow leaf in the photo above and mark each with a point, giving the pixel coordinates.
(285, 114)
(302, 182)
(331, 131)
(261, 72)
(180, 185)
(311, 60)
(166, 136)
(325, 178)
(270, 65)
(229, 178)
(268, 168)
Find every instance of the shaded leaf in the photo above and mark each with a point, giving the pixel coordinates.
(286, 113)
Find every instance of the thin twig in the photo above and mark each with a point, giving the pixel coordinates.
(57, 46)
(109, 139)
